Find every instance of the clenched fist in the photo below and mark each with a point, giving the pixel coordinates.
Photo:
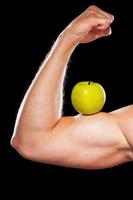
(93, 23)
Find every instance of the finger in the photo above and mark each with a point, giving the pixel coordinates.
(110, 17)
(108, 31)
(97, 9)
(100, 12)
(101, 22)
(95, 34)
(103, 33)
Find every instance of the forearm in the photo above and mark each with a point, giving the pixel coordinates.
(42, 105)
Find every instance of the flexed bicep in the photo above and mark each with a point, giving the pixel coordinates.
(90, 142)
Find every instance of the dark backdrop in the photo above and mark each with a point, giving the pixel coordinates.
(29, 30)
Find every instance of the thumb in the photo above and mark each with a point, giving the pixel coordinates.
(105, 32)
(95, 34)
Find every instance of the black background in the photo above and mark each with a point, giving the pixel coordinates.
(29, 30)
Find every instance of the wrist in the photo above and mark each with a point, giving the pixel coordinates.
(70, 41)
(63, 46)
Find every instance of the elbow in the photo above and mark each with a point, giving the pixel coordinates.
(16, 144)
(130, 155)
(13, 143)
(22, 147)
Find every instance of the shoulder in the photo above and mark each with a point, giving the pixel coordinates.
(124, 118)
(124, 111)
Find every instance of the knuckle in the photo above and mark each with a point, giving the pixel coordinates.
(112, 17)
(91, 12)
(92, 7)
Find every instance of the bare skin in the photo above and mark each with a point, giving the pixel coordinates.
(41, 133)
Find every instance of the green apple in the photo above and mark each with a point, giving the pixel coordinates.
(88, 97)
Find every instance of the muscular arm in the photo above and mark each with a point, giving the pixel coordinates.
(42, 134)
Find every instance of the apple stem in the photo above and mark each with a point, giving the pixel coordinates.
(89, 83)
